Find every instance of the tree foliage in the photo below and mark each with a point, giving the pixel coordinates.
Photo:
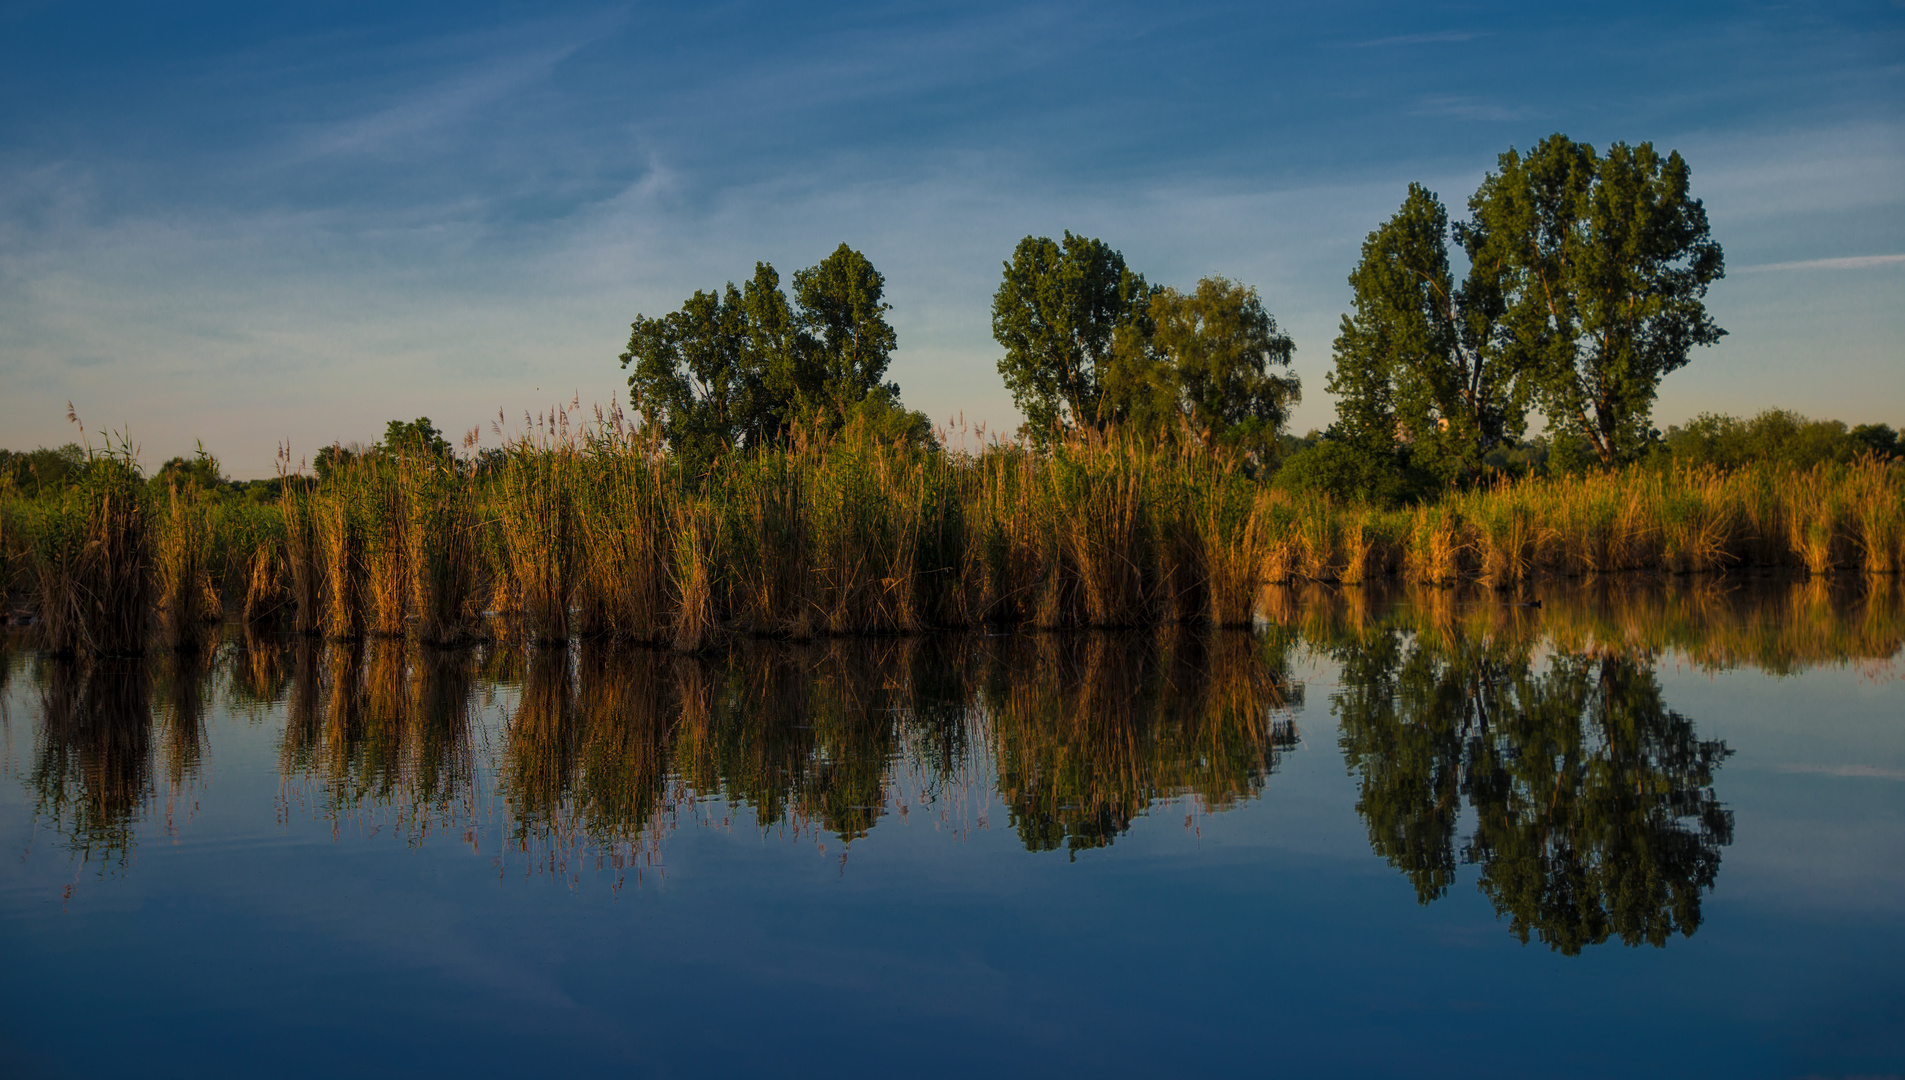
(740, 367)
(199, 472)
(1335, 465)
(415, 438)
(31, 471)
(1057, 313)
(1422, 360)
(1585, 285)
(1776, 436)
(1606, 262)
(846, 341)
(1214, 367)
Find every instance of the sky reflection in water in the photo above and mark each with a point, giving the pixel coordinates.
(1320, 846)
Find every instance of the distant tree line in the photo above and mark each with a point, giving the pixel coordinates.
(1573, 286)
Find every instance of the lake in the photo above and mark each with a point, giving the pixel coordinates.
(1645, 827)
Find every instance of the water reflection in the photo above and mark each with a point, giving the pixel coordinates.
(1530, 743)
(374, 728)
(1092, 730)
(184, 684)
(92, 757)
(604, 750)
(1779, 626)
(1592, 803)
(259, 674)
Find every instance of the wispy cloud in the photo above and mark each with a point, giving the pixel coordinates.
(1851, 262)
(434, 107)
(1435, 38)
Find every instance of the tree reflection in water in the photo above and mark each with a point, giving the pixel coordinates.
(1593, 803)
(1539, 735)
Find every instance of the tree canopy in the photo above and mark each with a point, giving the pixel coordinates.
(1605, 262)
(1584, 288)
(31, 471)
(200, 471)
(1214, 367)
(1422, 360)
(740, 367)
(1057, 313)
(417, 438)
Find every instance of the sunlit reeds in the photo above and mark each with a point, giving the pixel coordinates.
(303, 555)
(92, 561)
(1781, 625)
(595, 530)
(188, 600)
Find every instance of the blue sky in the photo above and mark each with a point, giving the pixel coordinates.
(248, 224)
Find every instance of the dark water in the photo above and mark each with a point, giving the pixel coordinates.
(1639, 831)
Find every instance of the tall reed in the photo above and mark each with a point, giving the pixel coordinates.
(440, 549)
(182, 543)
(597, 532)
(303, 554)
(534, 516)
(92, 558)
(342, 543)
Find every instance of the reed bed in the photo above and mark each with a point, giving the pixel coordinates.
(592, 530)
(188, 598)
(90, 562)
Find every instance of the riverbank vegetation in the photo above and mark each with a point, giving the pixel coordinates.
(770, 482)
(596, 530)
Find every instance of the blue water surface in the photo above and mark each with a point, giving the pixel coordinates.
(259, 924)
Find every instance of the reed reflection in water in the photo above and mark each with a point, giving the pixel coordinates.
(1078, 734)
(1592, 808)
(91, 775)
(382, 733)
(1092, 730)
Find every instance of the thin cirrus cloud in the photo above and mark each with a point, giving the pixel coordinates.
(1849, 262)
(456, 101)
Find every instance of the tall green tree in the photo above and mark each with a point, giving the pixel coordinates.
(848, 341)
(772, 355)
(1609, 259)
(1214, 366)
(694, 375)
(742, 366)
(1423, 360)
(1057, 313)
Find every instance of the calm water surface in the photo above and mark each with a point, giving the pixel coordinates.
(1638, 830)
